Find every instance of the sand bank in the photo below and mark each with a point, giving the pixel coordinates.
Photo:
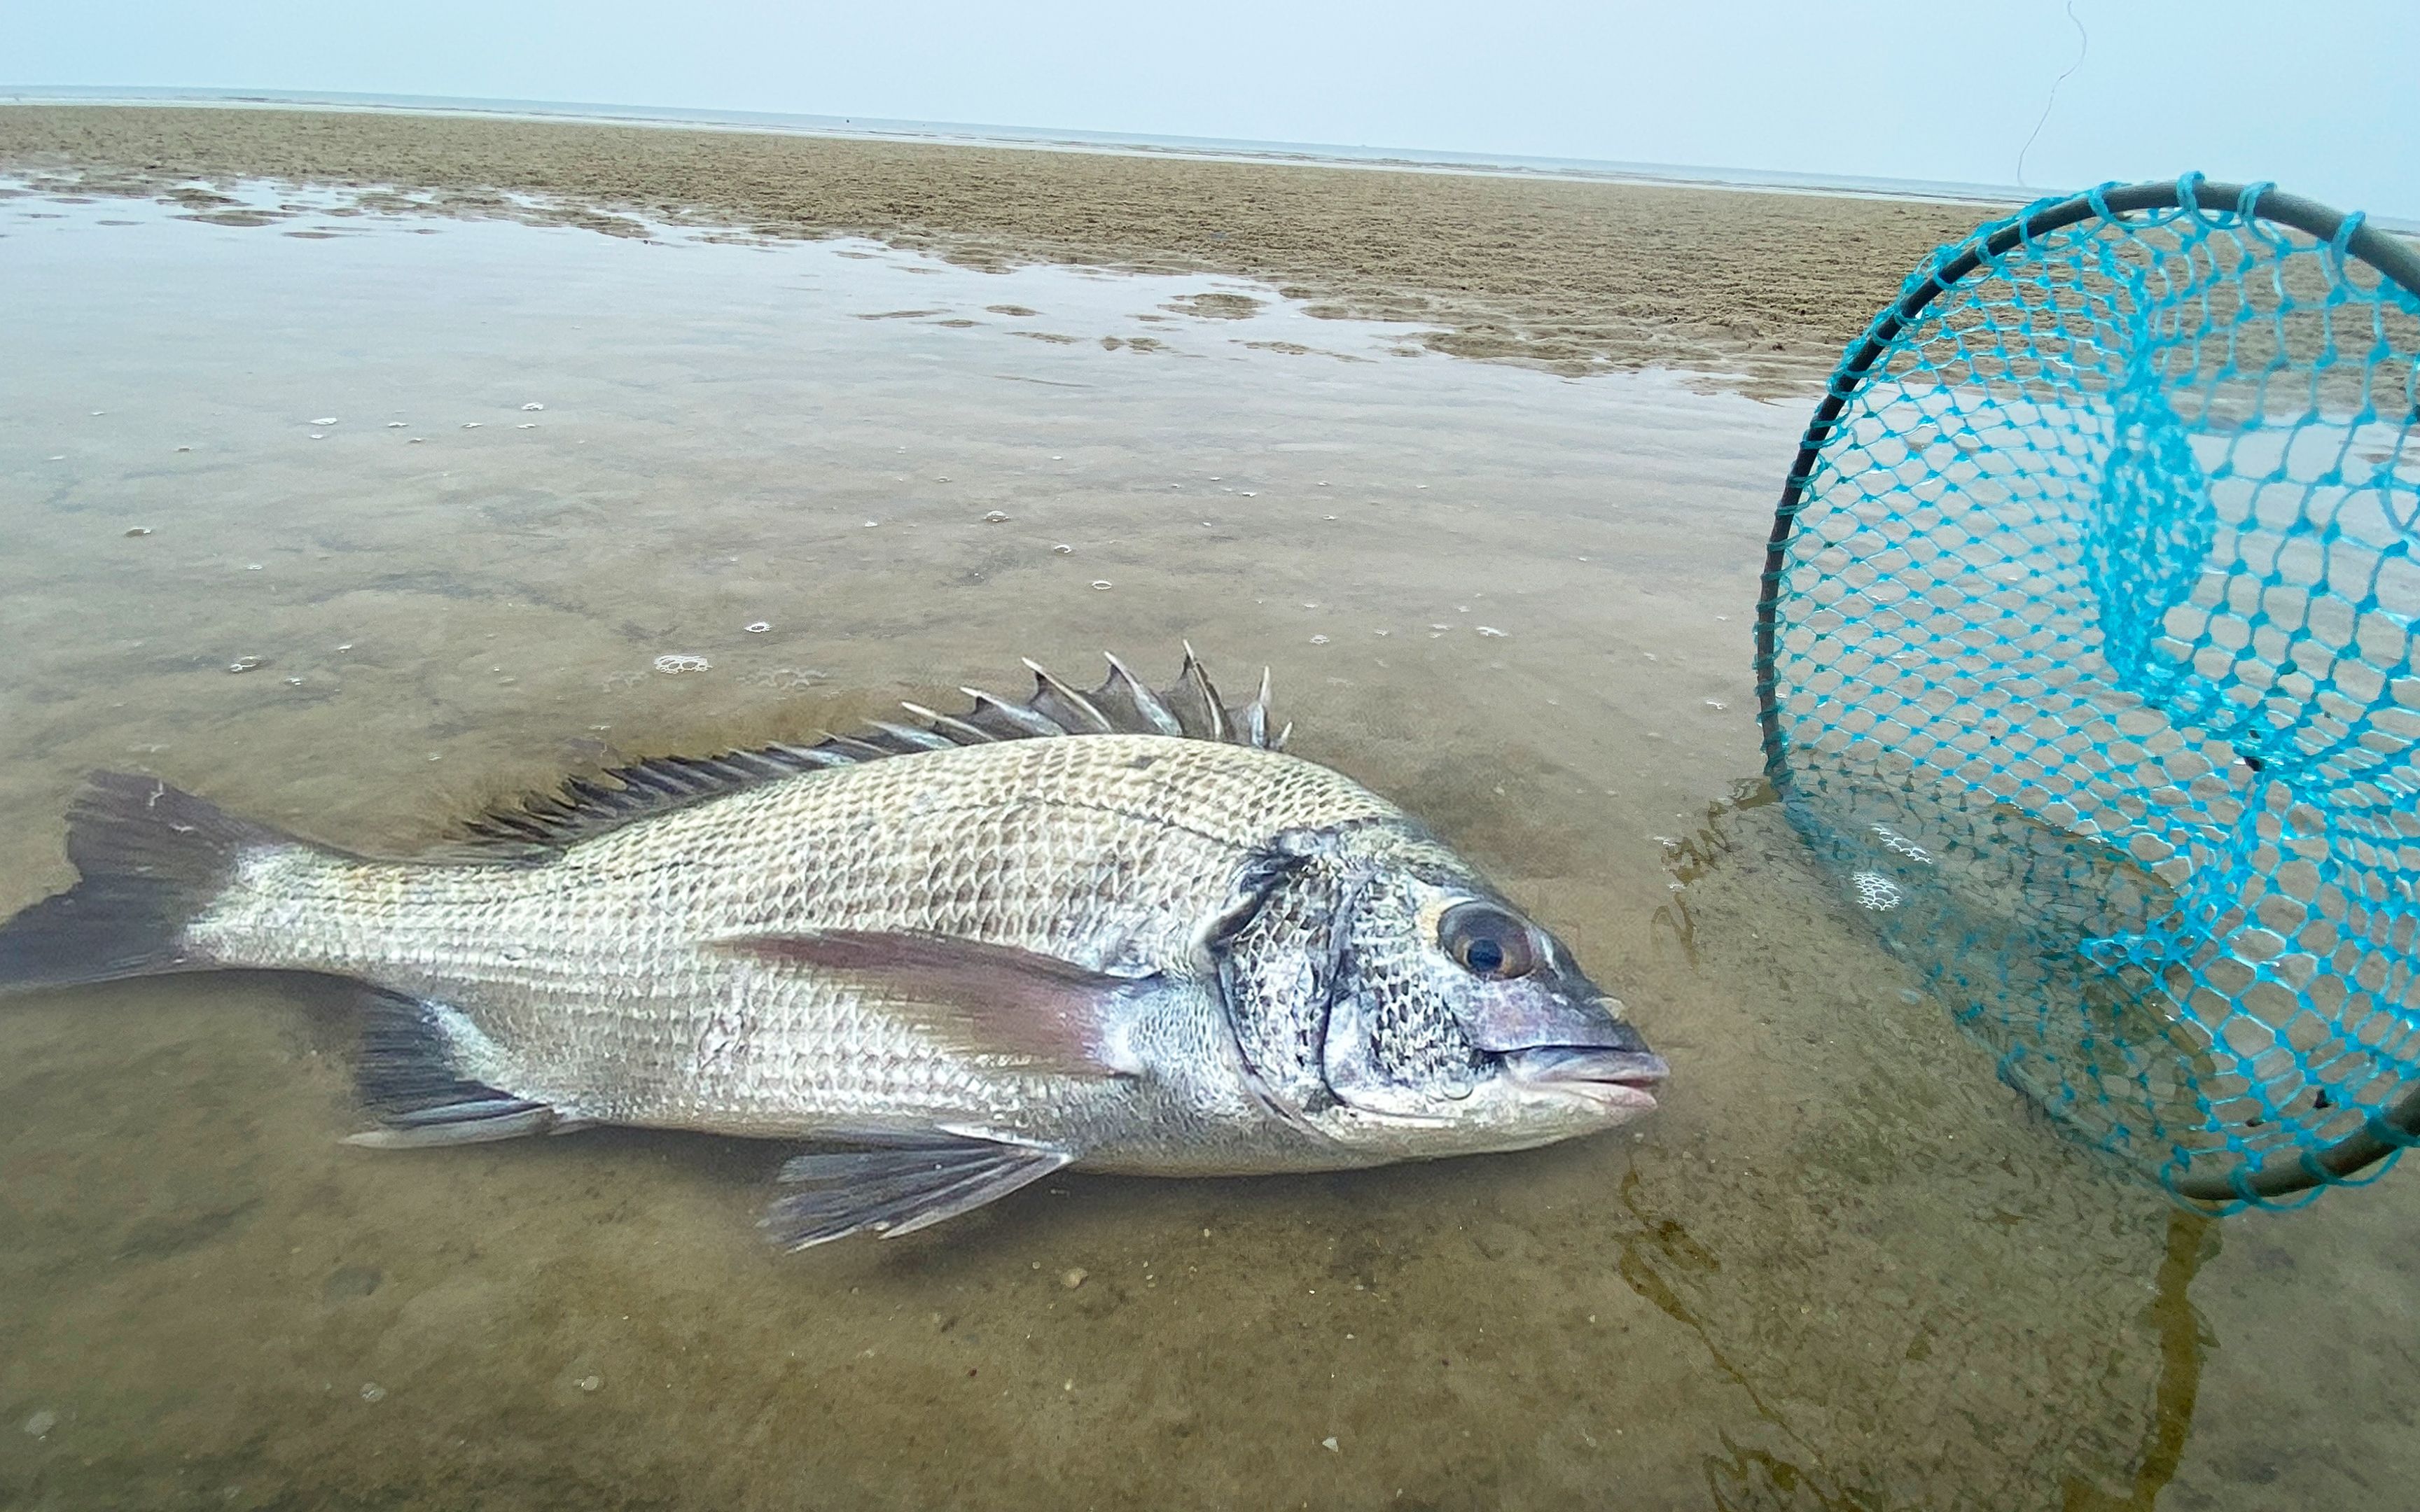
(1577, 276)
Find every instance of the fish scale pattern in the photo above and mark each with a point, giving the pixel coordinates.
(2087, 663)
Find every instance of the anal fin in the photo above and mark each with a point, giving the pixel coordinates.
(897, 1189)
(411, 1079)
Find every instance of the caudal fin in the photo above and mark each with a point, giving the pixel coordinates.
(152, 857)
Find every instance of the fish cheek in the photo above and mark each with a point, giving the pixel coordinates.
(1394, 1045)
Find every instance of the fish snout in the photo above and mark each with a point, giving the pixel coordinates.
(1618, 1077)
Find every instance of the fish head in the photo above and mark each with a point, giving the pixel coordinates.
(1426, 1014)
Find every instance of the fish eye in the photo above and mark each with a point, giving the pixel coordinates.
(1486, 941)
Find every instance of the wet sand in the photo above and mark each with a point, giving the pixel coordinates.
(1574, 277)
(1842, 1268)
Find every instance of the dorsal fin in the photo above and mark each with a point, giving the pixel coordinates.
(1123, 704)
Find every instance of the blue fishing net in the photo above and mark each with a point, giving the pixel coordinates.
(2086, 665)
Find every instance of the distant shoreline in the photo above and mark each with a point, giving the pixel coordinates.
(1760, 286)
(966, 133)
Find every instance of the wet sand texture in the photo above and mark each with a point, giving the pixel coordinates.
(1842, 1268)
(1836, 1268)
(1571, 275)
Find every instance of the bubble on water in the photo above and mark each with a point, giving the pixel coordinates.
(417, 439)
(1055, 458)
(294, 682)
(1491, 630)
(682, 662)
(395, 425)
(1877, 891)
(98, 413)
(243, 664)
(757, 626)
(526, 425)
(996, 517)
(1064, 550)
(319, 435)
(533, 407)
(343, 645)
(470, 425)
(1100, 582)
(791, 679)
(252, 566)
(61, 457)
(592, 1383)
(1319, 641)
(371, 1390)
(872, 523)
(138, 529)
(40, 1425)
(1716, 703)
(329, 421)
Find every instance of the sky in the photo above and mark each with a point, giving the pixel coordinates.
(2317, 94)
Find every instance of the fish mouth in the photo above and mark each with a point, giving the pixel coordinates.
(1624, 1079)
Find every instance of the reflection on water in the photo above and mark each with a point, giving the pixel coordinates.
(2019, 928)
(1843, 1268)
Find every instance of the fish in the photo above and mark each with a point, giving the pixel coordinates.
(1118, 929)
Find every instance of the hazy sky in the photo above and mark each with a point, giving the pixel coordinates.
(2319, 95)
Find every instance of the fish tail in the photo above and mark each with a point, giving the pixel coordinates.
(152, 859)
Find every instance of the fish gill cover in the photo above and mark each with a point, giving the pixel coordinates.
(2085, 661)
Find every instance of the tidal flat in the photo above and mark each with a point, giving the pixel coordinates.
(357, 501)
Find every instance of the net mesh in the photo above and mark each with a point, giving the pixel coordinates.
(2088, 666)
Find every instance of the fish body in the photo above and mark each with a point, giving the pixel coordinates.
(1113, 928)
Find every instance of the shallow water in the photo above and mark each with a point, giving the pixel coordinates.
(1842, 1268)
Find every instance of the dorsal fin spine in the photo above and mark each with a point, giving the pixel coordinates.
(585, 807)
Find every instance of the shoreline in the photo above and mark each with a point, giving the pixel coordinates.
(970, 134)
(1762, 288)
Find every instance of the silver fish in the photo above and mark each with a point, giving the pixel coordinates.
(1114, 928)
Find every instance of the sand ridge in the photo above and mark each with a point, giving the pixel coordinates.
(1767, 288)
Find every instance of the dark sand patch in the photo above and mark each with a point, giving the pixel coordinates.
(1215, 306)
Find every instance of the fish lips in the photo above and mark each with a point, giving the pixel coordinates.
(1618, 1079)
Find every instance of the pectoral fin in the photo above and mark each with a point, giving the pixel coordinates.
(897, 1190)
(979, 999)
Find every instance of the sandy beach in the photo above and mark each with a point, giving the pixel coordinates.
(1767, 288)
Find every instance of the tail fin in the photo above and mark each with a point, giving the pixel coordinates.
(152, 857)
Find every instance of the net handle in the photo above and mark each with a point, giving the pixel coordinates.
(2399, 1124)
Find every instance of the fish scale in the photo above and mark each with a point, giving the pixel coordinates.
(1108, 850)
